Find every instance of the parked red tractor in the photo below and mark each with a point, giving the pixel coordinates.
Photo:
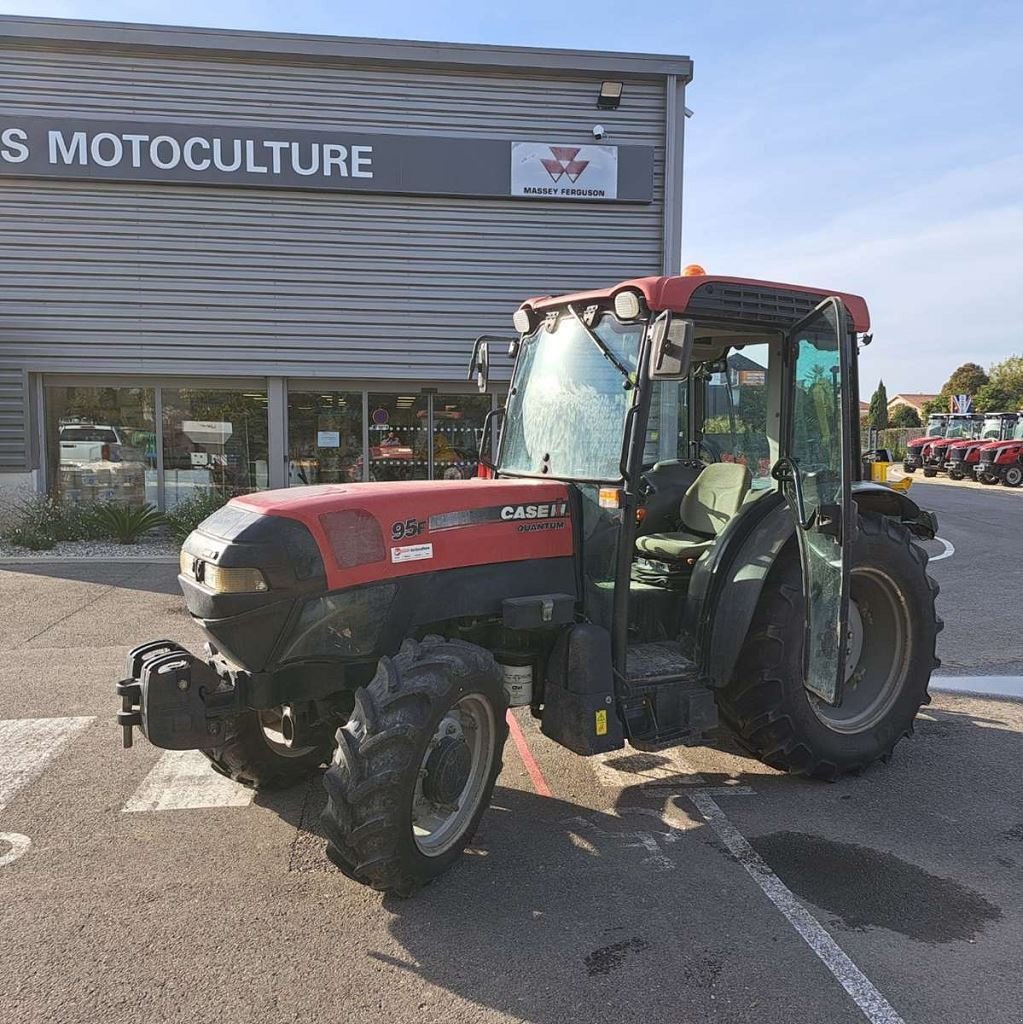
(918, 447)
(624, 596)
(1002, 461)
(963, 456)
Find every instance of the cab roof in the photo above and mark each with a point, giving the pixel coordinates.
(735, 298)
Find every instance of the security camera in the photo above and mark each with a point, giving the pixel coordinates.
(599, 132)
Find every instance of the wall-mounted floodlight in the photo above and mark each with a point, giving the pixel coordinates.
(610, 96)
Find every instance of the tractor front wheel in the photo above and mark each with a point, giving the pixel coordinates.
(893, 631)
(255, 749)
(1013, 476)
(988, 478)
(415, 765)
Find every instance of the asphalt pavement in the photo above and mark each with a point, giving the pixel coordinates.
(692, 885)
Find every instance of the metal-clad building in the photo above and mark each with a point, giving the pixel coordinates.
(239, 259)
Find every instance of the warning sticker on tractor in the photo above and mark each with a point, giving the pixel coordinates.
(412, 553)
(601, 722)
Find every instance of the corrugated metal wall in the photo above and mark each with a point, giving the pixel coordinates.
(126, 278)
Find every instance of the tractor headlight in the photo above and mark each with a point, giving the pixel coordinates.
(627, 305)
(221, 579)
(522, 321)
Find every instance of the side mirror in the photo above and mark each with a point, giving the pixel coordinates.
(479, 364)
(671, 347)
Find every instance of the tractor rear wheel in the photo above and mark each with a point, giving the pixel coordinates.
(893, 631)
(252, 750)
(415, 765)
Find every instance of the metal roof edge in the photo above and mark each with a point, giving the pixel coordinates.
(130, 37)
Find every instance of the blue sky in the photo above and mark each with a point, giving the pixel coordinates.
(873, 147)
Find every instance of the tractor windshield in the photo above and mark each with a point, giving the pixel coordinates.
(960, 426)
(936, 426)
(992, 427)
(569, 399)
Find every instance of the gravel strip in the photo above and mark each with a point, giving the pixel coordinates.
(100, 550)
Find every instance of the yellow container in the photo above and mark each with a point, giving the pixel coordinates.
(879, 472)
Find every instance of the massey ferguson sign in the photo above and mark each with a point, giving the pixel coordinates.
(336, 160)
(543, 171)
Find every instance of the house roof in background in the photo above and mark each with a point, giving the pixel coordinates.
(911, 398)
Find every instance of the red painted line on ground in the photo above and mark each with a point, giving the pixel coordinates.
(539, 782)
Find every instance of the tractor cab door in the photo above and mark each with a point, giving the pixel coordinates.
(815, 471)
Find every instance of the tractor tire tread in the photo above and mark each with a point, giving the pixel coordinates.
(378, 752)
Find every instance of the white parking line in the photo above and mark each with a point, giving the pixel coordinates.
(183, 780)
(874, 1006)
(657, 772)
(947, 553)
(26, 744)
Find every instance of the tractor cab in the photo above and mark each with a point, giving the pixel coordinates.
(701, 424)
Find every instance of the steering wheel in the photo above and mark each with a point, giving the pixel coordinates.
(710, 447)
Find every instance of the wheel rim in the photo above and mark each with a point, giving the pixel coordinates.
(271, 723)
(439, 819)
(877, 654)
(1014, 476)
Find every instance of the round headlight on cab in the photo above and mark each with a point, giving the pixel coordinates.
(627, 305)
(522, 321)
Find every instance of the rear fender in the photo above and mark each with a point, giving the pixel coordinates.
(727, 583)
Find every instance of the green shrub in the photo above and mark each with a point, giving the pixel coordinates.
(27, 535)
(188, 514)
(128, 523)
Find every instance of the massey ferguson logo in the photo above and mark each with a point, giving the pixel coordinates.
(552, 170)
(564, 164)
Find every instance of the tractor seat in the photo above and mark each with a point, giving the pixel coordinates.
(713, 499)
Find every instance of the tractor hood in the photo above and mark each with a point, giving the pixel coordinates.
(924, 440)
(253, 570)
(1002, 446)
(371, 531)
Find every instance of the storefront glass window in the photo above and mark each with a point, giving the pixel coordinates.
(102, 444)
(213, 440)
(324, 437)
(457, 430)
(398, 437)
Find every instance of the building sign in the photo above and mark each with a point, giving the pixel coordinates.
(336, 160)
(542, 171)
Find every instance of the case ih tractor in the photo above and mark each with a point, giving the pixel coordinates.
(963, 456)
(623, 595)
(917, 447)
(1003, 460)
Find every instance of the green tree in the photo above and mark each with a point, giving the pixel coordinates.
(967, 379)
(904, 416)
(877, 415)
(1004, 390)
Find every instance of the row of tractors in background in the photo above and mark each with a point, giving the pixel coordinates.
(976, 446)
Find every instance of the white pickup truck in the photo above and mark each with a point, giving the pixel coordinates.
(82, 443)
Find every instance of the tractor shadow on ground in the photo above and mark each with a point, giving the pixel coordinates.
(561, 913)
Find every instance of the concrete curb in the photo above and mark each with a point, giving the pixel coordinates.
(1002, 687)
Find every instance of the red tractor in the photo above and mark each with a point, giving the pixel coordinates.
(623, 593)
(918, 447)
(963, 456)
(1002, 461)
(958, 427)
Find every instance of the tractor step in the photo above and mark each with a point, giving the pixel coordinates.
(660, 661)
(665, 703)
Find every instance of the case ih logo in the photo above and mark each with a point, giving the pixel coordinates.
(564, 163)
